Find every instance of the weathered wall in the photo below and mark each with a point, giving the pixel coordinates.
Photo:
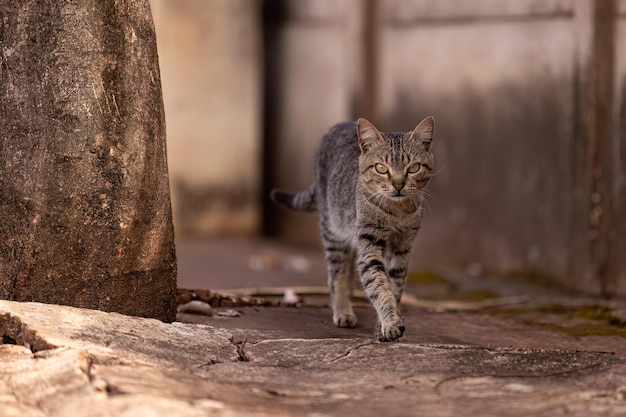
(528, 97)
(209, 52)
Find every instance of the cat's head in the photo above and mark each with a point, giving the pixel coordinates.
(396, 166)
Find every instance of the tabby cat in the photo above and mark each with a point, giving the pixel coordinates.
(369, 191)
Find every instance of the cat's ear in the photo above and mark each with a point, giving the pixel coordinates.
(368, 134)
(424, 132)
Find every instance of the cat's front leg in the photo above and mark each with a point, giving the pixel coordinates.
(377, 286)
(390, 329)
(397, 265)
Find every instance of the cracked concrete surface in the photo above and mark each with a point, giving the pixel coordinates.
(60, 361)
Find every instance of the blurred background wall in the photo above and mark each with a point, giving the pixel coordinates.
(529, 99)
(210, 52)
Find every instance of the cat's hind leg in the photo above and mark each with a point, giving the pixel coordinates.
(340, 264)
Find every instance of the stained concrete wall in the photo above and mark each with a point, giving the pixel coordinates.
(209, 51)
(528, 138)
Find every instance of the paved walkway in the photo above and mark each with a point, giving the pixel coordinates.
(473, 346)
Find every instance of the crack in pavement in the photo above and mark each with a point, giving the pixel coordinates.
(240, 346)
(353, 349)
(14, 331)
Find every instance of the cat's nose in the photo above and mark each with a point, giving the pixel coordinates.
(398, 186)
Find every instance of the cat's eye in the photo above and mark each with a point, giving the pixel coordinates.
(413, 168)
(381, 169)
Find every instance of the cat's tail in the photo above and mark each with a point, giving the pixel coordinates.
(304, 200)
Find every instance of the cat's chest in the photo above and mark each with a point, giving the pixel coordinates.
(402, 214)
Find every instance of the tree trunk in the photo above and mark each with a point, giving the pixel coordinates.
(85, 217)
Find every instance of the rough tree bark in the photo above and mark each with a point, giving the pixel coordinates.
(85, 217)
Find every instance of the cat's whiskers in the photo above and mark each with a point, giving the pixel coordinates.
(417, 199)
(429, 194)
(374, 199)
(438, 172)
(425, 194)
(379, 202)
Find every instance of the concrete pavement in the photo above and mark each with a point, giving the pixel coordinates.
(474, 346)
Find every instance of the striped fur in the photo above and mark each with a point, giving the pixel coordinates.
(369, 193)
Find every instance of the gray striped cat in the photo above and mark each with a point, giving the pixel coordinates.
(369, 191)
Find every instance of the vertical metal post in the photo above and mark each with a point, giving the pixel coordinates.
(365, 95)
(273, 14)
(601, 86)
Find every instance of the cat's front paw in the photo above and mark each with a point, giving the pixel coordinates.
(345, 320)
(390, 330)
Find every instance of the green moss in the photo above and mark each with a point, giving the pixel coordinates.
(591, 329)
(425, 277)
(557, 309)
(600, 319)
(595, 312)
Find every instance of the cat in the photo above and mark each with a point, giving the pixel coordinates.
(369, 191)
